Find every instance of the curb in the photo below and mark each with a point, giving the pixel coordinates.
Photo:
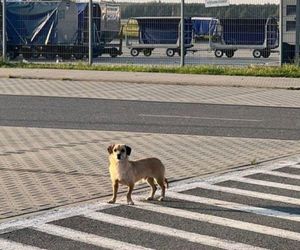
(152, 78)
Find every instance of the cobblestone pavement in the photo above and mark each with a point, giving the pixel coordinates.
(152, 92)
(44, 168)
(155, 78)
(252, 207)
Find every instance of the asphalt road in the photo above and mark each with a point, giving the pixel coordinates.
(151, 117)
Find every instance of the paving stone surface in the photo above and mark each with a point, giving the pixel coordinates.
(151, 92)
(152, 78)
(44, 168)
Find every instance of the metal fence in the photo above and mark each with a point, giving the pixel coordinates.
(242, 32)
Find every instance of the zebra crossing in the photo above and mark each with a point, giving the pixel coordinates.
(248, 208)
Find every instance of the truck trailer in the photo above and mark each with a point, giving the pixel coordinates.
(59, 28)
(159, 32)
(260, 35)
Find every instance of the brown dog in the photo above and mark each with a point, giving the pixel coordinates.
(128, 172)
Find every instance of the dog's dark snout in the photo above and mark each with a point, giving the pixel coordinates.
(119, 156)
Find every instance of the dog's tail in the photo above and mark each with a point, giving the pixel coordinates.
(166, 182)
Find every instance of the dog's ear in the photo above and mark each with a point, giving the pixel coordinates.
(128, 150)
(110, 148)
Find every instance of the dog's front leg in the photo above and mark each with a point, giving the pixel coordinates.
(130, 189)
(115, 191)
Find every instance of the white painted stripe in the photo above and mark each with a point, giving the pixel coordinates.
(11, 245)
(186, 186)
(267, 183)
(281, 174)
(221, 221)
(294, 166)
(87, 238)
(243, 171)
(199, 117)
(235, 206)
(51, 215)
(250, 193)
(193, 237)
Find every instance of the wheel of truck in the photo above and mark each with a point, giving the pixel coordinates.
(179, 52)
(134, 52)
(79, 56)
(27, 54)
(147, 52)
(219, 53)
(266, 53)
(256, 53)
(229, 53)
(112, 55)
(66, 56)
(170, 52)
(11, 55)
(35, 54)
(114, 52)
(50, 55)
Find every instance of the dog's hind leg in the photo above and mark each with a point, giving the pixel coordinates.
(151, 183)
(115, 191)
(130, 189)
(161, 183)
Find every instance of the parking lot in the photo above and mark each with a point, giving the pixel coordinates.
(198, 54)
(202, 55)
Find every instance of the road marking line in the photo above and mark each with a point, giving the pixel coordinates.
(281, 174)
(294, 166)
(220, 221)
(52, 215)
(235, 206)
(185, 185)
(199, 117)
(91, 239)
(192, 237)
(267, 183)
(253, 194)
(11, 245)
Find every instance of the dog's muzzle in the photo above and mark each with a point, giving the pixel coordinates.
(119, 156)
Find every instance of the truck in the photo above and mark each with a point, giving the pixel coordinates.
(158, 32)
(259, 35)
(59, 28)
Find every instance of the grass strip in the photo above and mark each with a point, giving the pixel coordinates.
(290, 71)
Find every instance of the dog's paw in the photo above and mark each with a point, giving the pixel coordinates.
(130, 203)
(111, 202)
(150, 198)
(161, 199)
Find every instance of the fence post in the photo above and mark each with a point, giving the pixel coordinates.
(90, 32)
(297, 49)
(280, 32)
(182, 40)
(4, 31)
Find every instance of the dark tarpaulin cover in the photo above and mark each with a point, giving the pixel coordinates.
(81, 7)
(31, 23)
(27, 24)
(204, 27)
(163, 30)
(248, 31)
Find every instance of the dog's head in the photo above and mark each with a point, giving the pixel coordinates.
(119, 152)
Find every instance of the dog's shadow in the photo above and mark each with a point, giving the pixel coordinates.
(183, 205)
(199, 207)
